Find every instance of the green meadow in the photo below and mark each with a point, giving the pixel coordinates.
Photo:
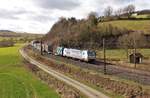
(16, 81)
(120, 54)
(141, 25)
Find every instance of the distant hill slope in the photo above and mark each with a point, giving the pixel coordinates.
(3, 31)
(140, 25)
(8, 33)
(143, 12)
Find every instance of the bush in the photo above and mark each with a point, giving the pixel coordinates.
(6, 43)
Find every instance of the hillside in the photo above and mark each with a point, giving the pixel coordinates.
(147, 11)
(6, 35)
(88, 33)
(140, 25)
(3, 31)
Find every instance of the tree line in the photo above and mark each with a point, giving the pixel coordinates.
(7, 43)
(127, 11)
(88, 34)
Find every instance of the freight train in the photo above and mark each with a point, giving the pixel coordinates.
(83, 55)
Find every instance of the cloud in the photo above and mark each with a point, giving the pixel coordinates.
(40, 15)
(58, 4)
(141, 4)
(10, 14)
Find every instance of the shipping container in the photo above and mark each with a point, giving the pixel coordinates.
(59, 51)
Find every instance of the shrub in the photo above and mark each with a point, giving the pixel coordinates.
(6, 43)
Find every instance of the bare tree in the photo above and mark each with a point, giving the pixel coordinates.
(129, 9)
(119, 12)
(123, 42)
(92, 19)
(139, 38)
(133, 40)
(108, 11)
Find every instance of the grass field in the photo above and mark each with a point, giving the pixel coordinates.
(143, 16)
(2, 38)
(142, 25)
(120, 54)
(16, 81)
(119, 58)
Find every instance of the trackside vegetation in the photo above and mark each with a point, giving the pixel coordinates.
(115, 87)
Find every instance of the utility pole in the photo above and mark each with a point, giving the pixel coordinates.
(134, 53)
(41, 48)
(104, 53)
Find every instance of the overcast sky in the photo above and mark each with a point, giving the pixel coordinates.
(37, 16)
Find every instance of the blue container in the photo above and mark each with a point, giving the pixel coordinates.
(59, 51)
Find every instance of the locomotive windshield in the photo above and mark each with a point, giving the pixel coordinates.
(91, 53)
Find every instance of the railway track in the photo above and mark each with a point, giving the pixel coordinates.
(88, 91)
(138, 76)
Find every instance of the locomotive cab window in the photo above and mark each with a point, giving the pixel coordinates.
(91, 53)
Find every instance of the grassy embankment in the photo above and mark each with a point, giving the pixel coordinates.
(141, 25)
(120, 54)
(73, 68)
(16, 81)
(78, 69)
(119, 57)
(144, 16)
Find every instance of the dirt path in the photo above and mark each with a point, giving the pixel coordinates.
(88, 91)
